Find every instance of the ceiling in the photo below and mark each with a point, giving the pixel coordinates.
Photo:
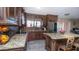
(71, 12)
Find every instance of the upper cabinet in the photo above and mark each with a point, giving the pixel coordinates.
(6, 12)
(51, 23)
(52, 18)
(2, 13)
(13, 11)
(11, 15)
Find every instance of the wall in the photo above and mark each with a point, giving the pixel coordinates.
(74, 23)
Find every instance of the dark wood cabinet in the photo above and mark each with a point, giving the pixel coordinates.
(51, 23)
(6, 12)
(47, 42)
(31, 36)
(52, 18)
(44, 20)
(13, 11)
(35, 36)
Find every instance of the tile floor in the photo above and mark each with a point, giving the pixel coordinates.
(36, 45)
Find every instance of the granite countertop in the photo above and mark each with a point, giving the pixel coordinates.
(36, 31)
(61, 36)
(16, 41)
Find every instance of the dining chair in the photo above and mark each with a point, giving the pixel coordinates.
(68, 46)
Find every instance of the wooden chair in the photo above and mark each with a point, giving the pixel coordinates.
(76, 44)
(68, 46)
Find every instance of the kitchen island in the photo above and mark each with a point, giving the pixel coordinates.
(16, 43)
(53, 40)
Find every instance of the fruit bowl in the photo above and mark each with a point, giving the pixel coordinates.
(3, 28)
(4, 39)
(62, 31)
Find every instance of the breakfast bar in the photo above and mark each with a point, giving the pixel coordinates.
(53, 40)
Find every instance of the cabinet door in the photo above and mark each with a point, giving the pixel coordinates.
(41, 36)
(31, 36)
(52, 18)
(38, 36)
(48, 43)
(10, 12)
(2, 13)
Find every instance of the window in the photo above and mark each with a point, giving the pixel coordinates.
(60, 26)
(33, 23)
(38, 23)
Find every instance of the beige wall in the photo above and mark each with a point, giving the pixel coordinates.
(74, 23)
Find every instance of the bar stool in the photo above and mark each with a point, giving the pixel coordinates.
(68, 46)
(76, 44)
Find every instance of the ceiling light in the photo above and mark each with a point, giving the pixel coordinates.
(38, 7)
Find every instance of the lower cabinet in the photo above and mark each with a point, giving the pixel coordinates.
(35, 36)
(47, 43)
(53, 44)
